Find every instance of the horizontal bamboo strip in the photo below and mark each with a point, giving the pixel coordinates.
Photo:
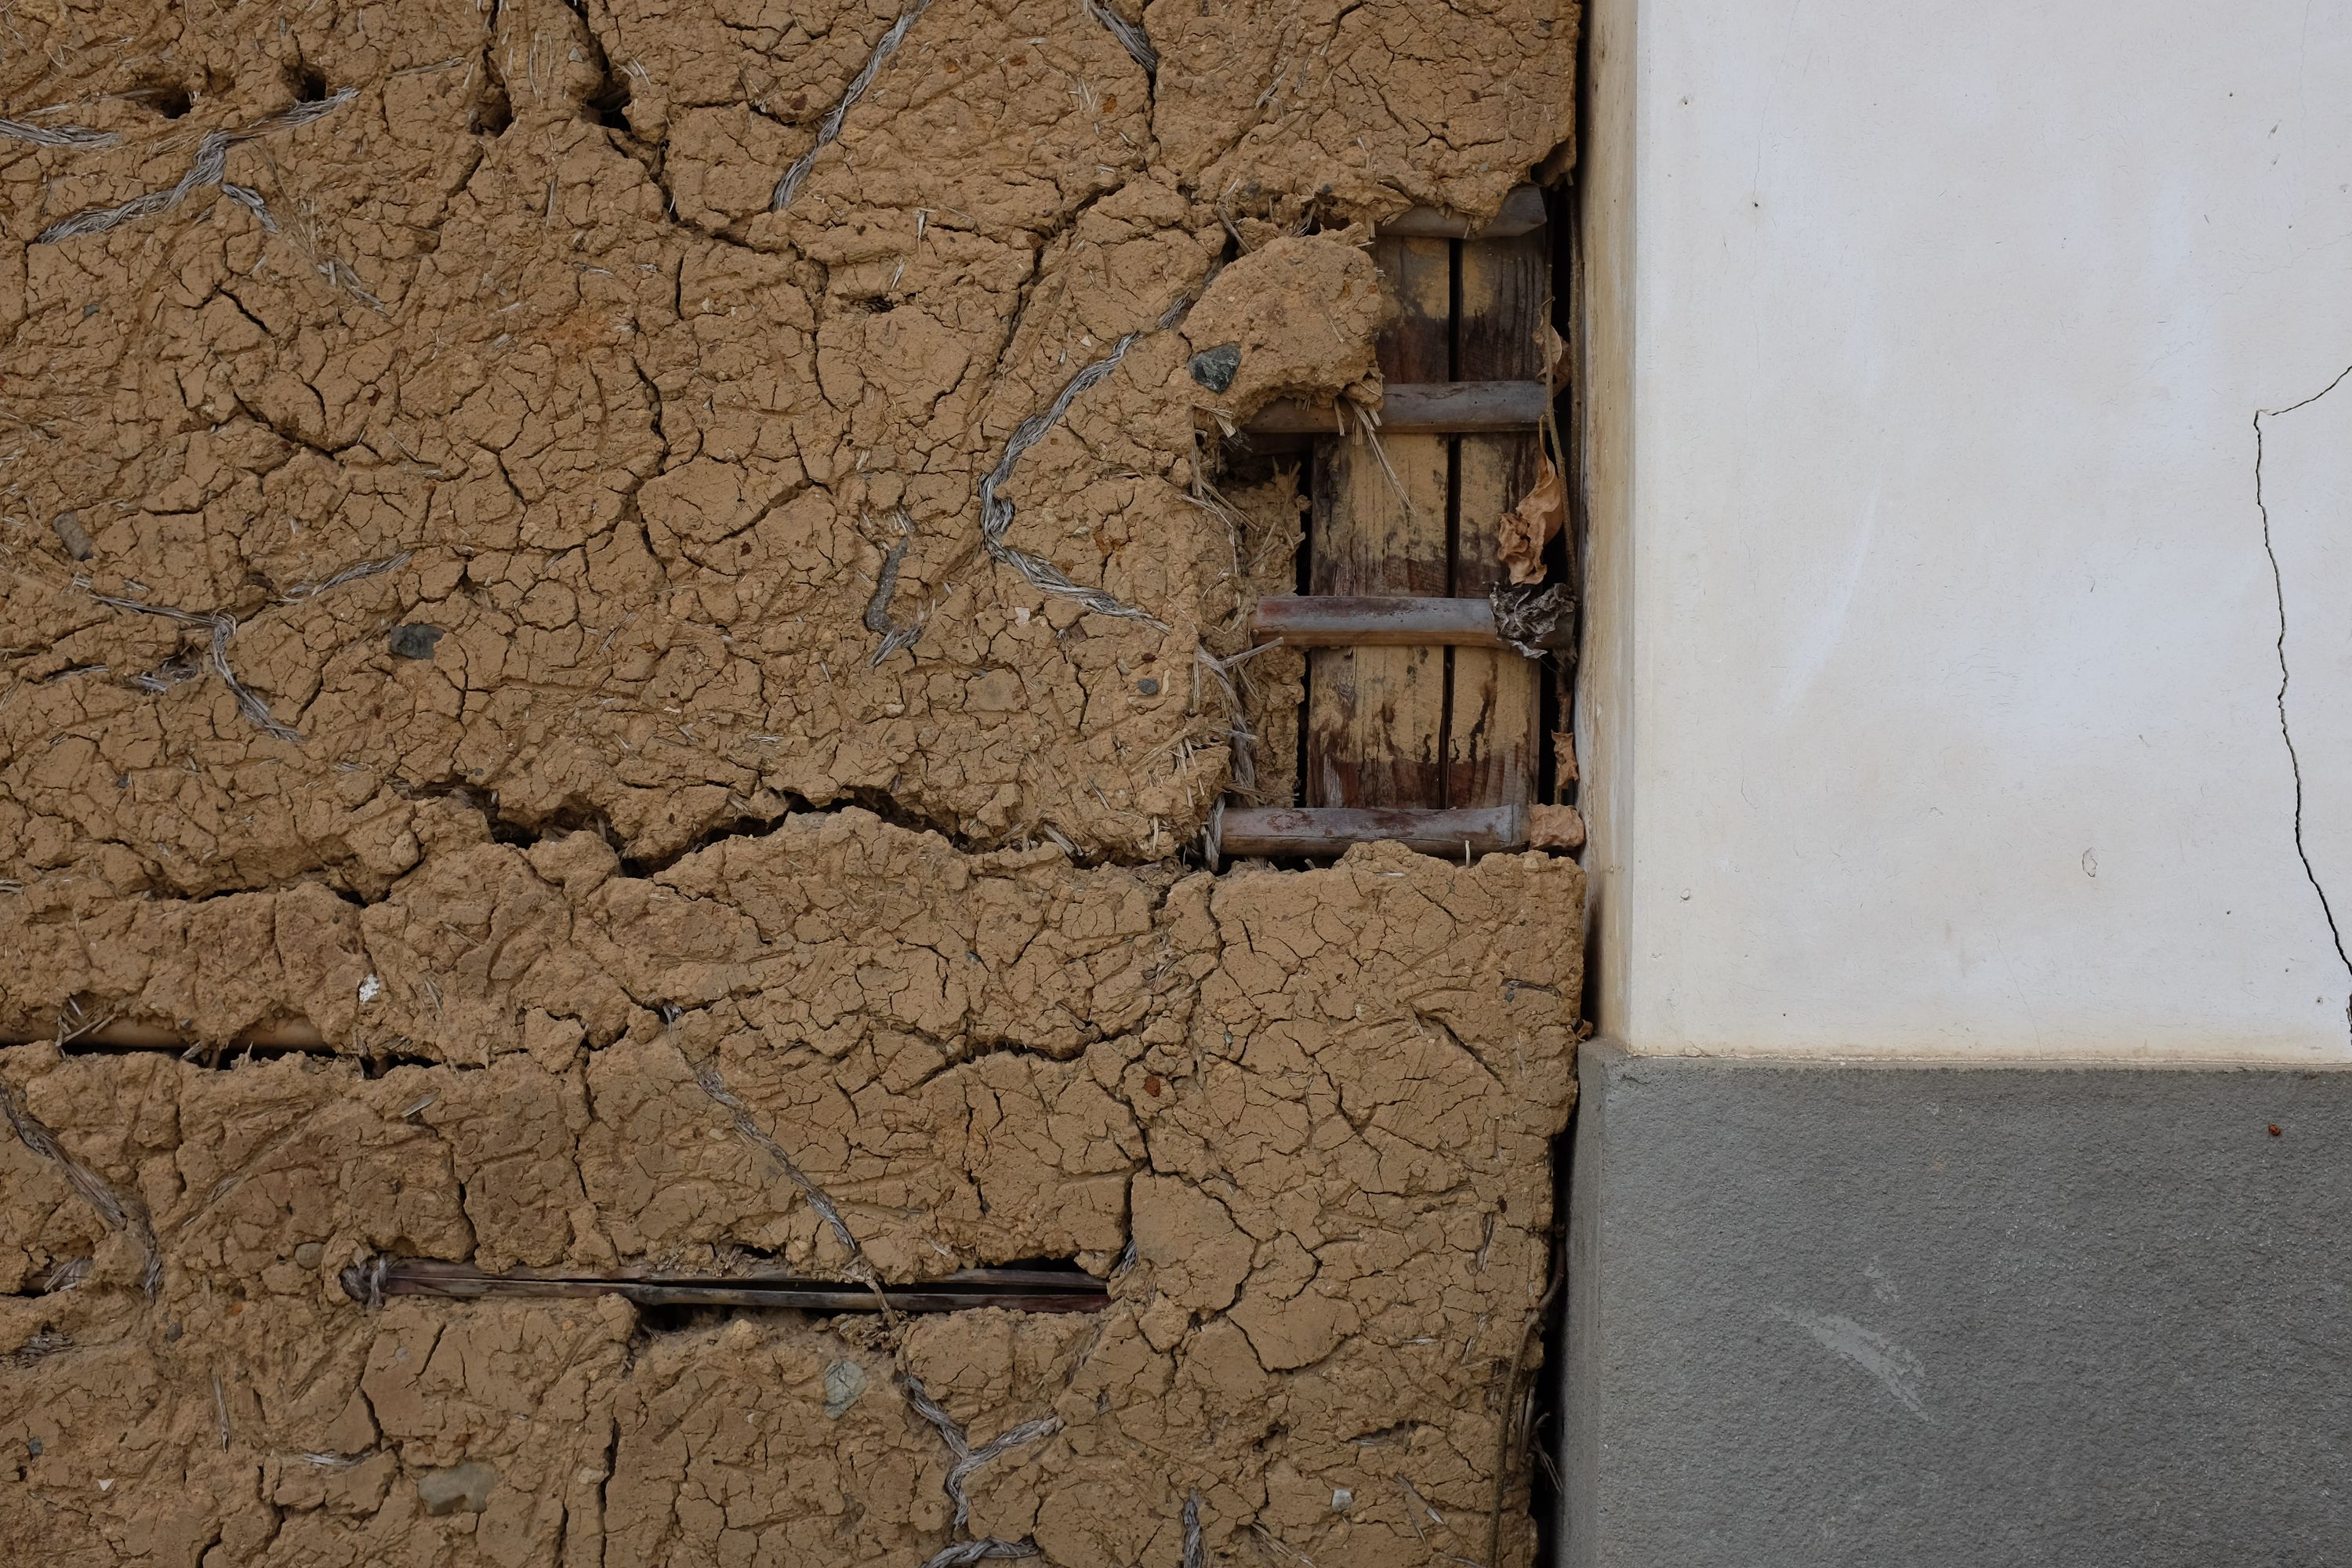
(1428, 407)
(300, 1035)
(1339, 620)
(1316, 831)
(1522, 211)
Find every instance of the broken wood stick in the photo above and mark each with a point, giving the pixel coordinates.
(1017, 1290)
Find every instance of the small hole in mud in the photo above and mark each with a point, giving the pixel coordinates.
(877, 304)
(665, 1320)
(608, 104)
(310, 86)
(492, 111)
(168, 98)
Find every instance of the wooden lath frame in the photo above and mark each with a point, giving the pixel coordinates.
(1421, 724)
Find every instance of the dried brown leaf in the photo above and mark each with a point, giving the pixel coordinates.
(1555, 357)
(1529, 526)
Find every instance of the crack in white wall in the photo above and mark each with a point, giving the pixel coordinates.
(2312, 580)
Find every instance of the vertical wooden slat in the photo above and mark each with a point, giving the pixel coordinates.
(1490, 744)
(1375, 716)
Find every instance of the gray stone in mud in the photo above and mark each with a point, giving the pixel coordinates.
(466, 1486)
(415, 640)
(70, 533)
(1216, 368)
(843, 1382)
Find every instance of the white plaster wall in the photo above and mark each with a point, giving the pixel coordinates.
(1936, 647)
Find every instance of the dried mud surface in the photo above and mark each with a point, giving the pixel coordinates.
(656, 576)
(1299, 1121)
(648, 473)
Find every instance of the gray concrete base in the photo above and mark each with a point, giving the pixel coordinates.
(1822, 1315)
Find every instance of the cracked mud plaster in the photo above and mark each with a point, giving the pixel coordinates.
(1299, 1121)
(443, 552)
(500, 292)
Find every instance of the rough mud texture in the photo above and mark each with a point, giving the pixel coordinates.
(648, 472)
(660, 578)
(1299, 1120)
(1293, 318)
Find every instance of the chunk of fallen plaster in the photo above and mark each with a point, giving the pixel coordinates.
(466, 1486)
(1555, 827)
(1295, 319)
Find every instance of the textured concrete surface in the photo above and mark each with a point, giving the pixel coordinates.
(1826, 1315)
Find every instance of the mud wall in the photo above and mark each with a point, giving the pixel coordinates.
(656, 583)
